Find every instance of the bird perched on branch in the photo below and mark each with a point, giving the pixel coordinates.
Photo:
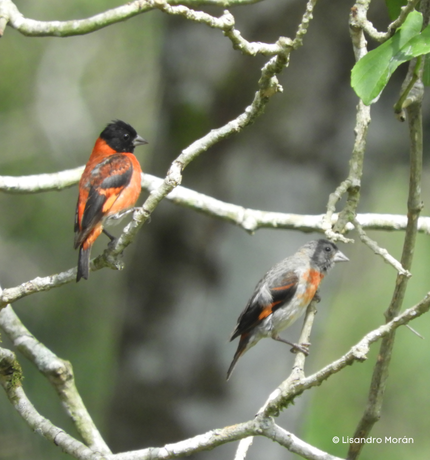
(283, 295)
(110, 185)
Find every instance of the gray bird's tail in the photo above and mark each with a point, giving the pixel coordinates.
(241, 348)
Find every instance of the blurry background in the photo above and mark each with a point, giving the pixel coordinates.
(149, 345)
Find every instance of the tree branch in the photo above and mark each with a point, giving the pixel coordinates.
(59, 373)
(112, 255)
(352, 184)
(10, 14)
(252, 220)
(289, 390)
(249, 219)
(10, 379)
(380, 251)
(304, 24)
(296, 445)
(297, 372)
(373, 409)
(359, 12)
(39, 183)
(226, 23)
(262, 425)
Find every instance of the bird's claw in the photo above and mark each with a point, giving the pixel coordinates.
(122, 214)
(301, 347)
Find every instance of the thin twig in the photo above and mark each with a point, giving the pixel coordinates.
(304, 24)
(360, 21)
(352, 184)
(373, 245)
(226, 23)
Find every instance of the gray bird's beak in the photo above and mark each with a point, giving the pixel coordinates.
(340, 257)
(139, 141)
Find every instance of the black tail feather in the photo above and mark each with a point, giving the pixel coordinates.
(83, 263)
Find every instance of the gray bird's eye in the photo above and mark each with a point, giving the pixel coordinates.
(328, 248)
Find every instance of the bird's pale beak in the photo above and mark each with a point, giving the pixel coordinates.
(340, 257)
(139, 141)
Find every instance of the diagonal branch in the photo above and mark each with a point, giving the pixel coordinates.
(59, 373)
(380, 251)
(297, 373)
(10, 379)
(288, 391)
(296, 445)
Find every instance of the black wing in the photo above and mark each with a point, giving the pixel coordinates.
(269, 295)
(106, 182)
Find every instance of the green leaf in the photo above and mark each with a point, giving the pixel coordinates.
(371, 73)
(394, 7)
(418, 45)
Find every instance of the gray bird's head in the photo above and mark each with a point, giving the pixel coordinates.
(325, 254)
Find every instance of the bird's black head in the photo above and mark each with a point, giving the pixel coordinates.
(121, 137)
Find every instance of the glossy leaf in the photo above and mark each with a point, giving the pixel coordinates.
(371, 74)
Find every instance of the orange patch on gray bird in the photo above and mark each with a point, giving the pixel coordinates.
(283, 288)
(313, 279)
(268, 310)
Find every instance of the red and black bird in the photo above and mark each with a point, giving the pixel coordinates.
(283, 295)
(110, 184)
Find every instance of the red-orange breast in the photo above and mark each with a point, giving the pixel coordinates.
(110, 184)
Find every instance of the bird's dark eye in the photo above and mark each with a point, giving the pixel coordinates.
(327, 248)
(126, 136)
